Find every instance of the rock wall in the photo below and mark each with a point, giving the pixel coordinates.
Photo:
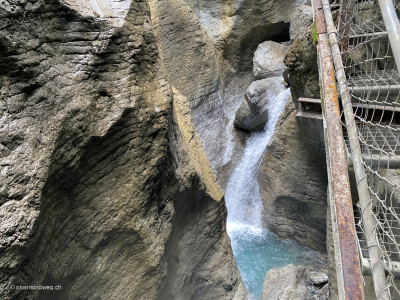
(193, 67)
(237, 26)
(259, 98)
(301, 62)
(293, 180)
(105, 188)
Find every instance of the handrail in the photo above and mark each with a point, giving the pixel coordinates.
(346, 249)
(392, 27)
(369, 221)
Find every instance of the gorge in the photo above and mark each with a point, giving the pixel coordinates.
(123, 168)
(256, 249)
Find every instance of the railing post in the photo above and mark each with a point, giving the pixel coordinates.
(349, 273)
(369, 221)
(392, 27)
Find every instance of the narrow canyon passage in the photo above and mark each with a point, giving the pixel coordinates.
(133, 140)
(256, 249)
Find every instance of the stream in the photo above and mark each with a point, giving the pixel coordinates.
(255, 248)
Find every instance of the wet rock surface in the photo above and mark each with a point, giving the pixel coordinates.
(319, 278)
(252, 114)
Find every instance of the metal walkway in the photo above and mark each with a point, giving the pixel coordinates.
(373, 81)
(360, 48)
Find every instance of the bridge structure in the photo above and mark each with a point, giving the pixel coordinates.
(359, 63)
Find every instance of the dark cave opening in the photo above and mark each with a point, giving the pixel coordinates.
(277, 32)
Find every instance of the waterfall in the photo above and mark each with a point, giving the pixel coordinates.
(256, 249)
(242, 194)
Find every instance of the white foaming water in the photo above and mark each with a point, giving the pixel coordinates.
(242, 194)
(256, 250)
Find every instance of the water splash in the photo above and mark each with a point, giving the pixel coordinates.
(242, 194)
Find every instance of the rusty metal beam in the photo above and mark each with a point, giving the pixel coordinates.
(319, 18)
(349, 271)
(369, 221)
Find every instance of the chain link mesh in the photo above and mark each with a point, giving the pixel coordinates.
(374, 83)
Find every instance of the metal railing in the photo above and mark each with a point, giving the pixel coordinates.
(339, 195)
(365, 46)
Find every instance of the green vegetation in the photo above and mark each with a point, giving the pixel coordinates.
(314, 32)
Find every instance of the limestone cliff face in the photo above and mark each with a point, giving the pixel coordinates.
(237, 27)
(105, 188)
(207, 48)
(293, 180)
(193, 68)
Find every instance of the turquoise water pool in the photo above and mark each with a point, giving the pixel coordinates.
(258, 250)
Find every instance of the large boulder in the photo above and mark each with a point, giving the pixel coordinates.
(293, 180)
(268, 60)
(295, 282)
(252, 114)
